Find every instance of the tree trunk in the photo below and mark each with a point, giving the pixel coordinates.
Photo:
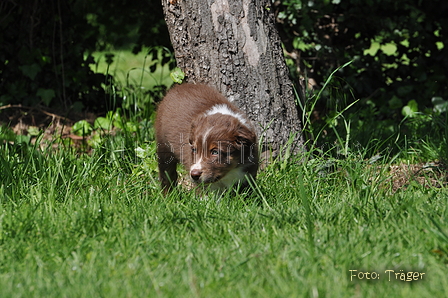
(234, 46)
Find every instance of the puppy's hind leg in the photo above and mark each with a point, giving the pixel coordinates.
(167, 168)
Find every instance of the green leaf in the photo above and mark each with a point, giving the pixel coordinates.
(439, 104)
(102, 123)
(21, 139)
(407, 112)
(395, 102)
(33, 131)
(95, 141)
(46, 95)
(77, 106)
(82, 128)
(404, 90)
(117, 121)
(140, 152)
(6, 134)
(30, 70)
(177, 75)
(413, 105)
(131, 127)
(410, 109)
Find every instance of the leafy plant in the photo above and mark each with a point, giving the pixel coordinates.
(82, 128)
(45, 56)
(398, 48)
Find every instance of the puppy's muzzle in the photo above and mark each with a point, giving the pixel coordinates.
(195, 174)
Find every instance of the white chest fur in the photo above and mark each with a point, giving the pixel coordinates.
(232, 177)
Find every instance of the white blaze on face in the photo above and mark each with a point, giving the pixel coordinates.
(225, 110)
(197, 165)
(199, 154)
(204, 137)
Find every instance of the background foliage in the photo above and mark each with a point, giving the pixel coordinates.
(46, 47)
(43, 59)
(399, 60)
(50, 51)
(398, 48)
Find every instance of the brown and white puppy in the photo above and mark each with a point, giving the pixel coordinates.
(211, 137)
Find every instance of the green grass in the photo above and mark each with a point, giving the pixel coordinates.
(97, 225)
(135, 69)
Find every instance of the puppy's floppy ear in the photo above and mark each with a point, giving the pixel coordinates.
(192, 129)
(245, 136)
(190, 136)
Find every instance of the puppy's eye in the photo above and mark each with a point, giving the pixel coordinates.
(214, 152)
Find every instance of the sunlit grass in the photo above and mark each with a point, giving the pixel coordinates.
(133, 69)
(97, 225)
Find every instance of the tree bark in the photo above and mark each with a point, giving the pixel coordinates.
(234, 46)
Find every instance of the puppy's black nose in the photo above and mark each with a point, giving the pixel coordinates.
(195, 174)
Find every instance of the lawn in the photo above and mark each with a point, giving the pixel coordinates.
(93, 223)
(96, 225)
(135, 69)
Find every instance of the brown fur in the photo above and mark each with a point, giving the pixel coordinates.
(213, 144)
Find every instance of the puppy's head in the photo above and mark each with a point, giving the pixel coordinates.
(219, 144)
